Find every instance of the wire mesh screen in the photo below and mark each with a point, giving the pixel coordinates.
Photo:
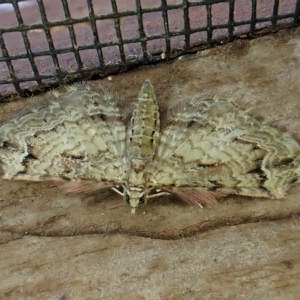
(46, 42)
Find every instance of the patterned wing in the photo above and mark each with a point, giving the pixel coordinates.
(213, 149)
(75, 134)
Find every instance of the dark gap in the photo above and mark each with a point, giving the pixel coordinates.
(257, 170)
(294, 180)
(76, 157)
(126, 197)
(96, 103)
(283, 162)
(205, 166)
(255, 147)
(102, 117)
(7, 145)
(142, 200)
(191, 123)
(29, 157)
(65, 177)
(217, 185)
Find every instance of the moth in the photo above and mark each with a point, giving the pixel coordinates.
(209, 150)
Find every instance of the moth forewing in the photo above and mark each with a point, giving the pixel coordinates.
(68, 139)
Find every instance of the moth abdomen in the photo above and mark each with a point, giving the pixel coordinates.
(144, 126)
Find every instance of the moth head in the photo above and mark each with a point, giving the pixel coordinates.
(134, 198)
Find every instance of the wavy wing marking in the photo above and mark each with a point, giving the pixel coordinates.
(212, 149)
(75, 134)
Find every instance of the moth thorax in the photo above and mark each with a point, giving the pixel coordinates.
(137, 173)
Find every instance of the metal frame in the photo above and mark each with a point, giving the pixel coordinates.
(103, 68)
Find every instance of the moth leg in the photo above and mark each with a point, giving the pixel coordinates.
(117, 191)
(159, 194)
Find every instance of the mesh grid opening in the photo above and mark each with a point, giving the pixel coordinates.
(46, 42)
